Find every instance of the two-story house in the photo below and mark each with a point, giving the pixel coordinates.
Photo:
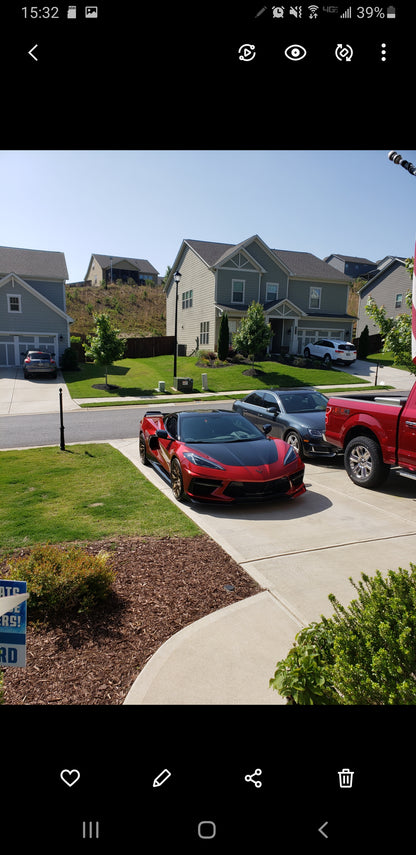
(303, 297)
(388, 286)
(110, 268)
(32, 303)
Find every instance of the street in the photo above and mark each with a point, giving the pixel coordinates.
(89, 425)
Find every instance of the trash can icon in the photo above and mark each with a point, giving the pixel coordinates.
(345, 778)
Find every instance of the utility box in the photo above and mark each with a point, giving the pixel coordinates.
(183, 384)
(204, 378)
(161, 386)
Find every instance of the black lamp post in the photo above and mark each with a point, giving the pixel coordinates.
(177, 279)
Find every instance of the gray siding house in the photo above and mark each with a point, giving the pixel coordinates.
(109, 268)
(303, 297)
(388, 286)
(32, 303)
(351, 265)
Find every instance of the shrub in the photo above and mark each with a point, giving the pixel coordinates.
(62, 581)
(69, 361)
(1, 687)
(364, 654)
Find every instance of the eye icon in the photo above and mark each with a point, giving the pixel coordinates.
(295, 52)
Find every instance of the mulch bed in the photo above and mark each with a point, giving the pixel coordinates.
(162, 585)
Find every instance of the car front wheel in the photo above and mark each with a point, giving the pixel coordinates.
(364, 462)
(293, 438)
(176, 480)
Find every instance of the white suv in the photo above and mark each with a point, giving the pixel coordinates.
(331, 350)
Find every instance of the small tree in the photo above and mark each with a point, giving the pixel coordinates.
(105, 346)
(253, 334)
(223, 338)
(396, 332)
(363, 343)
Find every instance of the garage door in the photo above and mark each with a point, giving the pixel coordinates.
(305, 336)
(14, 347)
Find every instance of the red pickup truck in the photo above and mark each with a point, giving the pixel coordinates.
(375, 432)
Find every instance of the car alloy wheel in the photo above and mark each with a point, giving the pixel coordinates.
(295, 441)
(364, 462)
(176, 480)
(307, 352)
(327, 359)
(142, 450)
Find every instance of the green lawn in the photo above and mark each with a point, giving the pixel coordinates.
(140, 377)
(85, 493)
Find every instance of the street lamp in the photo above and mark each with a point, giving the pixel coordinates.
(177, 279)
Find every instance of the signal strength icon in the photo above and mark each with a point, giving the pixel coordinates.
(346, 14)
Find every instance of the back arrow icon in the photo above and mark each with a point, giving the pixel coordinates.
(321, 830)
(32, 54)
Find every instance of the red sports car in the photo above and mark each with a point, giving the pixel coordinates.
(219, 456)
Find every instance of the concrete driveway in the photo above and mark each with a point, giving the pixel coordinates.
(299, 551)
(37, 395)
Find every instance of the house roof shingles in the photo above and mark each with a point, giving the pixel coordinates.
(302, 264)
(36, 263)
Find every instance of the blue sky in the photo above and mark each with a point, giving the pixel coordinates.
(141, 203)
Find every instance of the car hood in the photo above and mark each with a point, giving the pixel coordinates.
(261, 452)
(316, 421)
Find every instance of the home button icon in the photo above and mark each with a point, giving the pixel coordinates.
(207, 829)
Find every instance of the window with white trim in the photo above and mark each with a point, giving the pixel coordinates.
(315, 298)
(272, 290)
(399, 300)
(204, 332)
(14, 302)
(237, 291)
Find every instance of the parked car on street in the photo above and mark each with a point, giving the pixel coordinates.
(331, 350)
(39, 362)
(217, 455)
(296, 416)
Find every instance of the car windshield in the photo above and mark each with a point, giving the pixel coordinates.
(307, 402)
(217, 427)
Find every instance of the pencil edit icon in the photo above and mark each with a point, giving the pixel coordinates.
(161, 778)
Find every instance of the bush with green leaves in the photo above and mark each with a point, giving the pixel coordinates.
(60, 581)
(364, 654)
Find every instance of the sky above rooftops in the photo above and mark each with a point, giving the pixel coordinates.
(140, 203)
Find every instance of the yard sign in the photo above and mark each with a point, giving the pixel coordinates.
(13, 598)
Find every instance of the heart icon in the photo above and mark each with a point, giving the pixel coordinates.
(70, 776)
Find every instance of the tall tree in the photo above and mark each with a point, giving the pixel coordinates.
(223, 338)
(106, 345)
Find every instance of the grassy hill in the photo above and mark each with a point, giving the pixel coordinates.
(136, 310)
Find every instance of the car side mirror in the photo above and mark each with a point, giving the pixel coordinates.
(273, 410)
(267, 429)
(162, 434)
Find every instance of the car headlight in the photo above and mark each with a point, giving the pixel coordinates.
(201, 461)
(314, 432)
(290, 456)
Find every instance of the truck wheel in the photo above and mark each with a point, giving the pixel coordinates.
(364, 462)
